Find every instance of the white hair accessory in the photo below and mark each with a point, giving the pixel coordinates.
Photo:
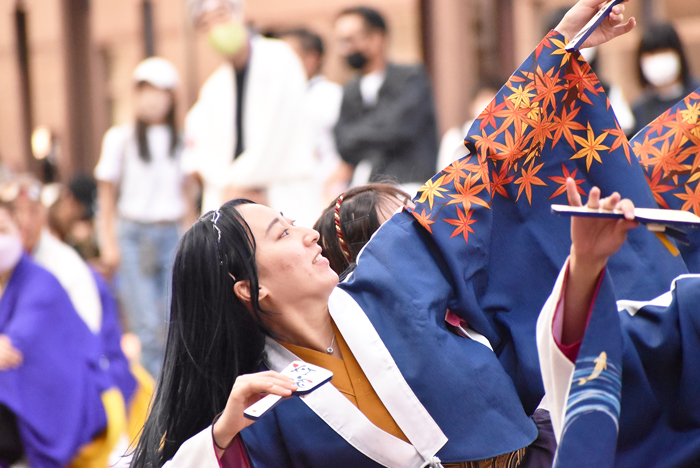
(214, 219)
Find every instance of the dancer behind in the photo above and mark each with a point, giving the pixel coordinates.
(657, 410)
(251, 290)
(361, 210)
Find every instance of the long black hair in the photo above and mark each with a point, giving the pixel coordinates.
(212, 338)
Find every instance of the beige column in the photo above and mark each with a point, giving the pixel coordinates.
(452, 56)
(14, 149)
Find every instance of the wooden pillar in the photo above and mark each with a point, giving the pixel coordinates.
(450, 54)
(76, 152)
(25, 97)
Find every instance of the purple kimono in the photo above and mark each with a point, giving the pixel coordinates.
(55, 392)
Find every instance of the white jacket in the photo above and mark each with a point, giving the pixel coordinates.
(278, 147)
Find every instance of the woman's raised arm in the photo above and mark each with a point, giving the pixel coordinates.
(593, 241)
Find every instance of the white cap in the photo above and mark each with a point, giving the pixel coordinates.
(158, 72)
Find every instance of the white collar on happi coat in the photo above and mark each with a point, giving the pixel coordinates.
(378, 365)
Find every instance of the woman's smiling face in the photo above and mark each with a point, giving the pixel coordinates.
(291, 269)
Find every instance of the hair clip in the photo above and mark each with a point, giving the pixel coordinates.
(232, 277)
(214, 218)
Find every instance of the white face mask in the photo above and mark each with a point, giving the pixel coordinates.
(153, 104)
(661, 69)
(10, 251)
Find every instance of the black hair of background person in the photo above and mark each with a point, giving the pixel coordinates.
(199, 371)
(358, 220)
(373, 19)
(310, 41)
(84, 188)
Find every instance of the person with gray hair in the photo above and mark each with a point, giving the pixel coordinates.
(246, 135)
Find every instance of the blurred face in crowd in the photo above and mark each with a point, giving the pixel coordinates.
(31, 217)
(310, 59)
(223, 23)
(357, 43)
(65, 213)
(152, 104)
(10, 241)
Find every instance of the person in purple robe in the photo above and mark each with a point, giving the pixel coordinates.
(51, 381)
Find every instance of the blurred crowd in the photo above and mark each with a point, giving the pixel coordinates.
(86, 266)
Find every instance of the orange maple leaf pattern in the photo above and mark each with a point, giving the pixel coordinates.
(463, 224)
(528, 179)
(590, 146)
(431, 190)
(561, 180)
(692, 199)
(669, 152)
(542, 113)
(467, 194)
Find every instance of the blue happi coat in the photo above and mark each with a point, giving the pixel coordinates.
(449, 395)
(481, 242)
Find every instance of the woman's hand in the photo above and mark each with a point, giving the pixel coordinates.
(10, 357)
(593, 240)
(611, 27)
(247, 390)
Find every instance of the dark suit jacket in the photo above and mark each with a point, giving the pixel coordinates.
(399, 134)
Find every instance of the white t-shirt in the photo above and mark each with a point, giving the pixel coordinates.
(369, 87)
(148, 191)
(324, 100)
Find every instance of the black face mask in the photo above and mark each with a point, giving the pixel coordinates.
(356, 60)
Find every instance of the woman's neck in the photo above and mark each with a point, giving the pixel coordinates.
(309, 328)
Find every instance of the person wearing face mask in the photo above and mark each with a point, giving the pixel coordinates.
(387, 127)
(663, 72)
(247, 135)
(141, 204)
(56, 407)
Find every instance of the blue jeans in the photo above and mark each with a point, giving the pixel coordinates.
(145, 275)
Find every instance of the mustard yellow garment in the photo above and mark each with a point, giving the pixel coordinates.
(96, 453)
(140, 402)
(351, 381)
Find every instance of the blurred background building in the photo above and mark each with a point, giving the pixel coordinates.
(65, 65)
